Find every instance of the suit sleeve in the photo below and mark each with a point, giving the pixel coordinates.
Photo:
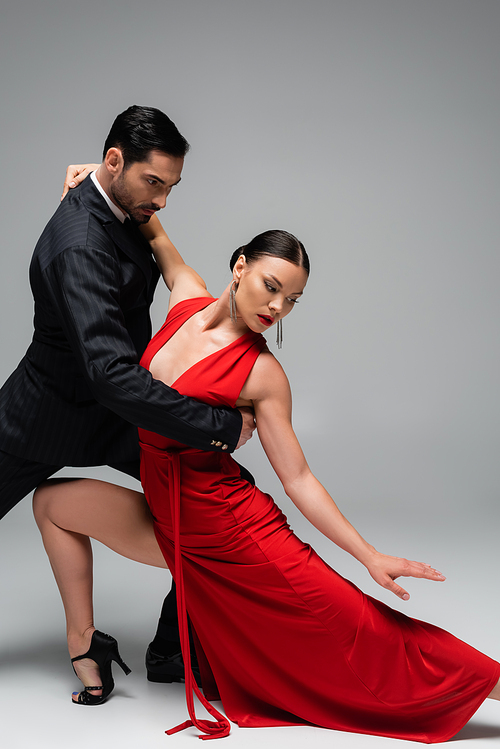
(84, 286)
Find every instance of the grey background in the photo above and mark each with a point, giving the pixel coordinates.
(369, 128)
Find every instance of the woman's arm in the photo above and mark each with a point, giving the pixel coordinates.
(182, 280)
(269, 390)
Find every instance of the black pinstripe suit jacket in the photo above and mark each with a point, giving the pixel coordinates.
(78, 395)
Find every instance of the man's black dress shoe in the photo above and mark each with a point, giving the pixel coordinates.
(165, 669)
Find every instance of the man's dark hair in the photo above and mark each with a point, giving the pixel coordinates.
(139, 130)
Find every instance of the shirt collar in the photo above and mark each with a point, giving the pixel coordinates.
(114, 208)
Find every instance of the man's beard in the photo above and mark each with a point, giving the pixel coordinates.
(122, 197)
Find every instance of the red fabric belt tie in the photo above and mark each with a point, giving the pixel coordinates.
(212, 729)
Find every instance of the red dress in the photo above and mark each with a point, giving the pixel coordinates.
(284, 639)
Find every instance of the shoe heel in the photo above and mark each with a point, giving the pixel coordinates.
(116, 657)
(126, 670)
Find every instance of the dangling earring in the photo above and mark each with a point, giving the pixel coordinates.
(232, 301)
(279, 333)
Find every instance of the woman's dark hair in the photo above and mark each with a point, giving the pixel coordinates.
(139, 130)
(275, 243)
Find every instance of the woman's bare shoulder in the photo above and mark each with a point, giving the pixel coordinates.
(266, 379)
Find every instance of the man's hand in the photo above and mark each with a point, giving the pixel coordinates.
(248, 425)
(75, 174)
(385, 569)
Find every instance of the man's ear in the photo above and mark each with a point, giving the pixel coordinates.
(113, 161)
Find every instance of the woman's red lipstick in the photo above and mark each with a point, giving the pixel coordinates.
(266, 320)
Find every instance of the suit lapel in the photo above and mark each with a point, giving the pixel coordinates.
(131, 241)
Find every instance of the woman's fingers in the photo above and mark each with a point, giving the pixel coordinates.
(76, 173)
(397, 590)
(419, 569)
(388, 569)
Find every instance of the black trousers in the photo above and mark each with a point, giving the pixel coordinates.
(19, 477)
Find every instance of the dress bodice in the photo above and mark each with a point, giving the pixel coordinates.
(218, 378)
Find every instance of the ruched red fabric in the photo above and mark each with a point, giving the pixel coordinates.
(282, 639)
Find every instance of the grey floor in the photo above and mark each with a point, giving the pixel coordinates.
(36, 679)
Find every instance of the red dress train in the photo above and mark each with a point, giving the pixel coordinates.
(284, 639)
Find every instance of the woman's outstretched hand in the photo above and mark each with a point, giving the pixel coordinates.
(385, 569)
(75, 174)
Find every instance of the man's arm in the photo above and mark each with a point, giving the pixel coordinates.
(84, 286)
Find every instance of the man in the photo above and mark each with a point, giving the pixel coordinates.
(79, 394)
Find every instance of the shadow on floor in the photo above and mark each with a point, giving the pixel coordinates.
(476, 730)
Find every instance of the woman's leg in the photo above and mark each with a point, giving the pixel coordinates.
(69, 513)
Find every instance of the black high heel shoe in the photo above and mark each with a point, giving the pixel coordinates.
(103, 650)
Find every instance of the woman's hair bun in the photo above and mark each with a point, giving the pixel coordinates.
(274, 243)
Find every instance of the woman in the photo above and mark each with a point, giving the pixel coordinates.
(281, 638)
